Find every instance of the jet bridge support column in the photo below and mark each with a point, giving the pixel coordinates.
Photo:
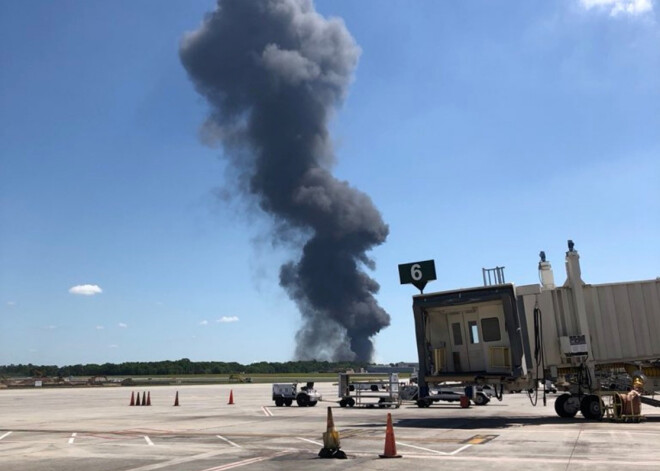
(574, 281)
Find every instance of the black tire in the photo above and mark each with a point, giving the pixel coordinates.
(302, 400)
(350, 401)
(424, 402)
(592, 407)
(288, 402)
(279, 402)
(480, 400)
(342, 403)
(312, 403)
(566, 406)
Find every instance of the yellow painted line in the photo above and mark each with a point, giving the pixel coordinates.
(480, 439)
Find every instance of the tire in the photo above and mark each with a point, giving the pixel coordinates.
(424, 403)
(279, 402)
(288, 402)
(342, 403)
(312, 403)
(592, 407)
(566, 406)
(350, 401)
(302, 400)
(480, 400)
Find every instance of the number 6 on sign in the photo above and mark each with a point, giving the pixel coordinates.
(417, 273)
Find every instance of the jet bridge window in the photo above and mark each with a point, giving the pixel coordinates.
(474, 332)
(490, 328)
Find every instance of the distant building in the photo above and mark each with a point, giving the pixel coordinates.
(400, 367)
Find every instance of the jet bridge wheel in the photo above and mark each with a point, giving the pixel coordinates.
(592, 407)
(480, 400)
(567, 406)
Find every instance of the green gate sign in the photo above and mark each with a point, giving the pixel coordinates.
(417, 273)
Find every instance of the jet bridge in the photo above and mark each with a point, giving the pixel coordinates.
(585, 338)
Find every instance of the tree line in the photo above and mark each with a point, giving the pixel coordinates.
(179, 367)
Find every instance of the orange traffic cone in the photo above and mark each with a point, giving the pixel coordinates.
(331, 441)
(144, 398)
(390, 443)
(149, 398)
(176, 399)
(132, 398)
(231, 397)
(137, 399)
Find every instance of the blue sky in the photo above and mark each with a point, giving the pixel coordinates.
(483, 131)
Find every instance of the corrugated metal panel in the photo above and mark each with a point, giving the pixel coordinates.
(624, 320)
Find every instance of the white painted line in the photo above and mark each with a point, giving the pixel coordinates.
(177, 461)
(435, 451)
(460, 449)
(5, 435)
(228, 441)
(310, 441)
(237, 464)
(149, 442)
(266, 411)
(73, 437)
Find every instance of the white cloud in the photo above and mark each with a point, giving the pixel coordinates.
(11, 303)
(204, 322)
(99, 327)
(50, 327)
(122, 325)
(85, 290)
(617, 7)
(228, 319)
(113, 346)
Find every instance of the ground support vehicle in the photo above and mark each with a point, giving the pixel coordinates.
(369, 390)
(577, 336)
(285, 393)
(479, 396)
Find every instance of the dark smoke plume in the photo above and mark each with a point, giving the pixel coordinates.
(273, 72)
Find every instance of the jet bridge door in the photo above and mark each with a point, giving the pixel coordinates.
(467, 348)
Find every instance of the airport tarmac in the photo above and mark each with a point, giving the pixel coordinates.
(96, 429)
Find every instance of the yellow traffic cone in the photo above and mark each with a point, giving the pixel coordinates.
(331, 441)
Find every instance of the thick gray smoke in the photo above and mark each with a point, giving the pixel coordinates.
(273, 72)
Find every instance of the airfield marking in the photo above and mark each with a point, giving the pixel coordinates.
(237, 464)
(266, 411)
(73, 437)
(310, 441)
(228, 441)
(5, 435)
(176, 461)
(436, 451)
(149, 442)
